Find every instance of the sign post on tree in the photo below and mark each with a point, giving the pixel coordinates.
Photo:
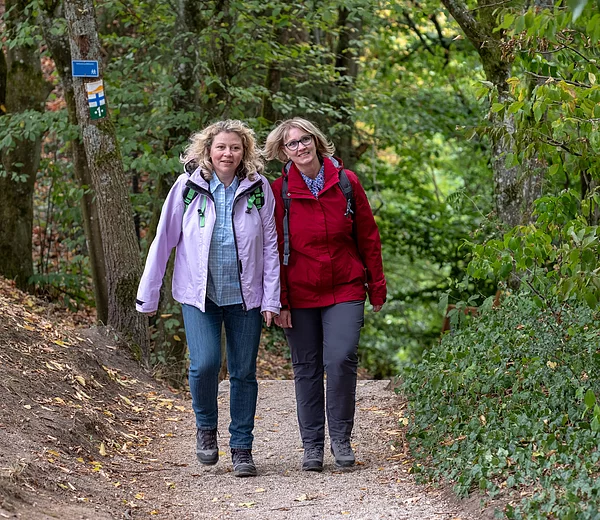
(123, 263)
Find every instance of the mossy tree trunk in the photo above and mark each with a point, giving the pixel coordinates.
(58, 45)
(516, 187)
(121, 252)
(23, 89)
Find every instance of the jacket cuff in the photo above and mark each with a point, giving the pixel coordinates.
(270, 308)
(145, 307)
(377, 293)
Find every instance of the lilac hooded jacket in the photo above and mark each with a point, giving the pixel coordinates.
(255, 239)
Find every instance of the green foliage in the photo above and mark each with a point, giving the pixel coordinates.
(554, 94)
(61, 261)
(28, 125)
(510, 401)
(554, 99)
(169, 73)
(556, 256)
(428, 186)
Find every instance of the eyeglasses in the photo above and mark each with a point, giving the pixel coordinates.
(305, 140)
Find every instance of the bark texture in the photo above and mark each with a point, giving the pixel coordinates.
(123, 265)
(58, 45)
(517, 187)
(23, 88)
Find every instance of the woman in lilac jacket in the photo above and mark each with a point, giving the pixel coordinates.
(219, 216)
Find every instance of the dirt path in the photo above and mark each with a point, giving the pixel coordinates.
(378, 487)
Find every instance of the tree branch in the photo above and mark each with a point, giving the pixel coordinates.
(574, 83)
(471, 27)
(415, 29)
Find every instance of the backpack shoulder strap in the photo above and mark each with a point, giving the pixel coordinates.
(190, 191)
(286, 220)
(256, 198)
(346, 187)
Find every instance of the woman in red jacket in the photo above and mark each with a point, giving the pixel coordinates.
(330, 254)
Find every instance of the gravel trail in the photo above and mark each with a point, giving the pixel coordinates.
(378, 487)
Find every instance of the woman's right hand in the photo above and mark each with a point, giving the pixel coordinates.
(284, 320)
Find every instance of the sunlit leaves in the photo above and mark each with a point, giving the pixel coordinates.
(577, 6)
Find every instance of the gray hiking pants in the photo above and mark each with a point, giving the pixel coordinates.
(325, 340)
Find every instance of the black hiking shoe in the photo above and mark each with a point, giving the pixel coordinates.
(342, 452)
(207, 450)
(313, 459)
(243, 465)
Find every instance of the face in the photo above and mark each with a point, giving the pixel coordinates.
(305, 154)
(226, 154)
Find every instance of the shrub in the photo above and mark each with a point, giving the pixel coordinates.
(509, 401)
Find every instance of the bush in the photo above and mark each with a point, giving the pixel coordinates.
(509, 402)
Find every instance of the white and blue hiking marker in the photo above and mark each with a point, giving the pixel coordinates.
(85, 68)
(96, 99)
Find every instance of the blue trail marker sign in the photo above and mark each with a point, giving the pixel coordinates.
(85, 68)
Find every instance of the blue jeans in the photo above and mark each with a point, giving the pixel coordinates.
(242, 330)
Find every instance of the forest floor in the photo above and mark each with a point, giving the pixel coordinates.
(85, 433)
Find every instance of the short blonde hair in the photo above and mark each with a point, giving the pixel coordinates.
(274, 148)
(198, 151)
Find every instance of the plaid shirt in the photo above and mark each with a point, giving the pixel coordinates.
(223, 278)
(315, 185)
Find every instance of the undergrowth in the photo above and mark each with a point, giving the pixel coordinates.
(508, 402)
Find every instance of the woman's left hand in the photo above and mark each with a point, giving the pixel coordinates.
(377, 308)
(268, 316)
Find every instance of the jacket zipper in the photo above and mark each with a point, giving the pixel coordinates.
(240, 267)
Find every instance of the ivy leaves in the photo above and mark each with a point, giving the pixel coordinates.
(510, 402)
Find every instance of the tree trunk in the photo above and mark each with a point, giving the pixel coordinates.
(3, 73)
(121, 252)
(220, 56)
(275, 72)
(58, 45)
(347, 66)
(517, 187)
(25, 89)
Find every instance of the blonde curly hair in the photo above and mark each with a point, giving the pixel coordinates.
(274, 148)
(197, 153)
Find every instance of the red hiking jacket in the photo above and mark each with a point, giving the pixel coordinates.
(327, 265)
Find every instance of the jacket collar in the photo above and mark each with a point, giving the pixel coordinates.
(296, 184)
(197, 177)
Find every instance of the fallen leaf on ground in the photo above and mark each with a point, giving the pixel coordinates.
(126, 400)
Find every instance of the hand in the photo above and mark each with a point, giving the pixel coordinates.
(268, 316)
(150, 314)
(377, 308)
(284, 320)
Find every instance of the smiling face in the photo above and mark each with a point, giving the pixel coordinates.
(226, 154)
(305, 156)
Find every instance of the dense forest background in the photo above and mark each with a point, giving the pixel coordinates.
(457, 117)
(473, 127)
